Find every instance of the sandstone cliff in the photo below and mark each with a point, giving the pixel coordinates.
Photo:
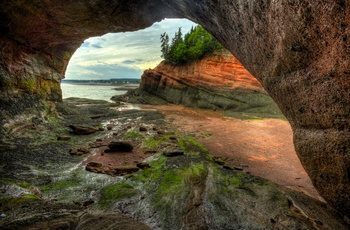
(217, 81)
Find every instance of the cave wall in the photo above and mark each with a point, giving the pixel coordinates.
(298, 50)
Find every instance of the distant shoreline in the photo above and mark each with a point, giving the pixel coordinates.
(125, 86)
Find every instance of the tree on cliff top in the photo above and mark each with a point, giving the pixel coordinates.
(194, 45)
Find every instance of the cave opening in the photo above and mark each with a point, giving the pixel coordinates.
(105, 63)
(94, 68)
(297, 49)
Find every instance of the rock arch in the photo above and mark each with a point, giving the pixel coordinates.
(299, 51)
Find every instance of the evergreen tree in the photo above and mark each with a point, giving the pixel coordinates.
(164, 38)
(193, 46)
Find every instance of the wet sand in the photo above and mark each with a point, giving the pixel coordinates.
(263, 147)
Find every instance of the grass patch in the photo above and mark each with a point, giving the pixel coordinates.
(209, 157)
(25, 185)
(16, 200)
(113, 193)
(235, 180)
(7, 181)
(152, 174)
(60, 185)
(171, 182)
(175, 183)
(132, 135)
(30, 196)
(152, 142)
(255, 118)
(191, 146)
(228, 182)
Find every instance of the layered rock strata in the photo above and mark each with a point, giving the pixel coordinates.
(298, 50)
(217, 81)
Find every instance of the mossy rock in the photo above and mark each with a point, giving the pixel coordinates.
(111, 194)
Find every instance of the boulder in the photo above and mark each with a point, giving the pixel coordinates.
(82, 129)
(120, 146)
(94, 167)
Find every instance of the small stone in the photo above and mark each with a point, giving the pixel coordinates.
(143, 165)
(120, 146)
(82, 130)
(172, 153)
(238, 168)
(73, 151)
(94, 167)
(143, 129)
(84, 149)
(160, 132)
(63, 138)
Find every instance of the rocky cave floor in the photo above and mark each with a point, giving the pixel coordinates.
(100, 165)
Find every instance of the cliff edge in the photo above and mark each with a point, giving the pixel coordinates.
(217, 82)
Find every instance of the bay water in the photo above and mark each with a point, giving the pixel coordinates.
(93, 91)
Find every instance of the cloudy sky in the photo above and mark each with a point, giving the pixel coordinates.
(122, 55)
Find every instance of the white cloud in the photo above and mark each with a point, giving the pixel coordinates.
(122, 54)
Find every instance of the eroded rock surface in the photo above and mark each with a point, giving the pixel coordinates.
(217, 82)
(298, 50)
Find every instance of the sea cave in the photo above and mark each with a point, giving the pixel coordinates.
(297, 50)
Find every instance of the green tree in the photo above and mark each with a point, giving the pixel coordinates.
(193, 46)
(164, 38)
